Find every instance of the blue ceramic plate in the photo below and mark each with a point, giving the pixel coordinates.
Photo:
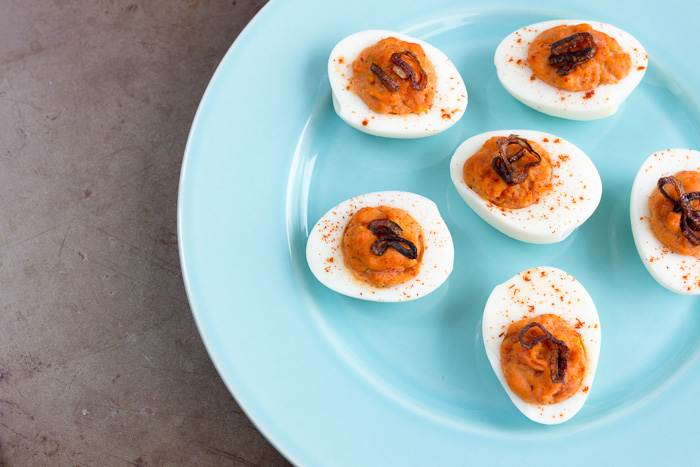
(332, 380)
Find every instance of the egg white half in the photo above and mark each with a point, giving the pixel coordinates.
(535, 292)
(325, 256)
(677, 272)
(448, 106)
(575, 194)
(516, 75)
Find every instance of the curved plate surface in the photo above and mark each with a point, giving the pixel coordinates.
(332, 380)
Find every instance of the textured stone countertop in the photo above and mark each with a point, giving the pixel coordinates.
(100, 360)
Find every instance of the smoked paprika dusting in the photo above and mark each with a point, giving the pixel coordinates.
(394, 77)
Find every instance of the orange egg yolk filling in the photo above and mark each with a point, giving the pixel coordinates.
(391, 267)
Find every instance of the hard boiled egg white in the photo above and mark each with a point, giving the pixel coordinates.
(534, 292)
(325, 256)
(676, 272)
(575, 194)
(517, 77)
(449, 103)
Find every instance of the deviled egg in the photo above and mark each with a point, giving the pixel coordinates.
(414, 89)
(542, 337)
(571, 197)
(388, 246)
(671, 256)
(599, 52)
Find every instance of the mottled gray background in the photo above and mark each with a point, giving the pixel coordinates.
(100, 360)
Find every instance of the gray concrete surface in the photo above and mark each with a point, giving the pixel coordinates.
(100, 360)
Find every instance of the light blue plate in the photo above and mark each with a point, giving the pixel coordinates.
(336, 381)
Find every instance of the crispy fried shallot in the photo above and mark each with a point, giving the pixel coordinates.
(559, 351)
(572, 51)
(690, 218)
(503, 165)
(389, 234)
(403, 70)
